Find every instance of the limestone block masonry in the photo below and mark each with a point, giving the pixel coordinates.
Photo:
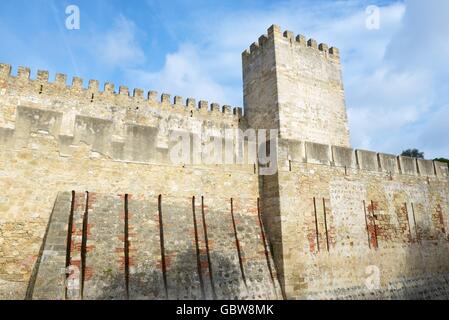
(93, 207)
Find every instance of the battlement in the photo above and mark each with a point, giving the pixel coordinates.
(353, 159)
(42, 85)
(275, 33)
(295, 84)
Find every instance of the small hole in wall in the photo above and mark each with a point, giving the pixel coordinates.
(92, 98)
(137, 108)
(191, 113)
(41, 89)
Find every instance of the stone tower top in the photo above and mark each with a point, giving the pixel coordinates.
(78, 92)
(275, 30)
(295, 85)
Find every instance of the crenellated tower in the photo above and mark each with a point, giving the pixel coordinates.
(96, 181)
(296, 86)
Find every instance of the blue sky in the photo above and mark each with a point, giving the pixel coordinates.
(396, 77)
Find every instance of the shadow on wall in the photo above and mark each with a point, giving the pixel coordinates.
(182, 281)
(428, 269)
(424, 270)
(227, 278)
(416, 269)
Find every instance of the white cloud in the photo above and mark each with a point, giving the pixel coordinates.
(402, 102)
(119, 46)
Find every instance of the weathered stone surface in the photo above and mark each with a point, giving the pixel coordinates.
(50, 282)
(295, 150)
(344, 157)
(441, 169)
(179, 249)
(318, 153)
(257, 265)
(6, 136)
(426, 168)
(367, 160)
(166, 256)
(145, 275)
(227, 278)
(350, 223)
(295, 88)
(75, 265)
(389, 163)
(103, 272)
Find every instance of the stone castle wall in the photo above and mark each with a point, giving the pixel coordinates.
(154, 247)
(332, 212)
(116, 125)
(88, 183)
